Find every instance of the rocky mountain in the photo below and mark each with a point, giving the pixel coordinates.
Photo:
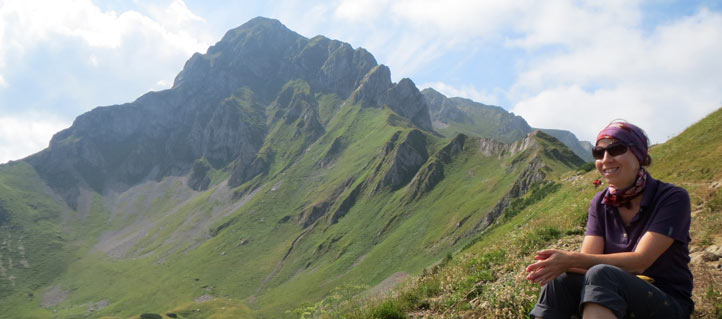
(222, 107)
(276, 170)
(456, 115)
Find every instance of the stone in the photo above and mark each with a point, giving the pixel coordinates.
(702, 257)
(714, 250)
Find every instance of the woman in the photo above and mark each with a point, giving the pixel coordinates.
(634, 258)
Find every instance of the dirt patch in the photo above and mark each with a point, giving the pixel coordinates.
(384, 288)
(136, 206)
(205, 298)
(100, 305)
(54, 296)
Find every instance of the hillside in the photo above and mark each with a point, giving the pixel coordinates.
(455, 115)
(487, 279)
(277, 170)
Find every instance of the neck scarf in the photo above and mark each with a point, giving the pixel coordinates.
(623, 197)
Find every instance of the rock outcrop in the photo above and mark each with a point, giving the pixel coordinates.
(433, 171)
(532, 174)
(403, 160)
(442, 109)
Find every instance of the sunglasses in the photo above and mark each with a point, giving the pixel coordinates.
(614, 149)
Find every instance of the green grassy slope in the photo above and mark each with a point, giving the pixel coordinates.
(261, 260)
(351, 196)
(31, 236)
(488, 280)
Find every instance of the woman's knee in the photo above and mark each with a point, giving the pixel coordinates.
(603, 273)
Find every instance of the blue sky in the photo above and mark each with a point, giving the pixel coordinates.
(573, 65)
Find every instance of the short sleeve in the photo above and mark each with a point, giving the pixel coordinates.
(672, 215)
(595, 223)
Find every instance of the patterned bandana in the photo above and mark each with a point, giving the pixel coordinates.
(623, 197)
(629, 134)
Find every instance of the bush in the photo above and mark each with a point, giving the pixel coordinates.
(429, 287)
(151, 316)
(389, 309)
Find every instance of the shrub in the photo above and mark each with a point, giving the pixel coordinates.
(389, 309)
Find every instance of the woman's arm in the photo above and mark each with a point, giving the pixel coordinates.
(590, 245)
(552, 263)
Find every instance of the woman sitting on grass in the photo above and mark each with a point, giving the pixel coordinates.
(634, 258)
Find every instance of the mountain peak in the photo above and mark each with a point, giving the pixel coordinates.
(372, 86)
(259, 27)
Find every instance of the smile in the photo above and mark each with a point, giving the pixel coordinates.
(610, 170)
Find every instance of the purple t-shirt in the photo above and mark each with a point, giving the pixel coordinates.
(665, 209)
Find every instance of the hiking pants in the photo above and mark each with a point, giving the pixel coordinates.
(621, 292)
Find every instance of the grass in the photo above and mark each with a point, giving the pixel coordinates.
(487, 279)
(32, 239)
(379, 236)
(256, 259)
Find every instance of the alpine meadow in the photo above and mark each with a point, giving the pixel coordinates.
(289, 177)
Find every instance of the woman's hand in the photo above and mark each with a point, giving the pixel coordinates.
(550, 264)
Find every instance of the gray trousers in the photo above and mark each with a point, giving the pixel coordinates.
(621, 292)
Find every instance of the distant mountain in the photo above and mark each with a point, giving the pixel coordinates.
(456, 115)
(583, 149)
(277, 170)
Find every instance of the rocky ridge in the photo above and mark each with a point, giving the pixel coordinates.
(216, 111)
(459, 115)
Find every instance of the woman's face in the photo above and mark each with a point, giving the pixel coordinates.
(619, 171)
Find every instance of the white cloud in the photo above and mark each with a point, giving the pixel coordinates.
(175, 16)
(580, 111)
(584, 63)
(70, 56)
(573, 23)
(664, 81)
(409, 34)
(27, 24)
(93, 60)
(24, 135)
(460, 18)
(355, 10)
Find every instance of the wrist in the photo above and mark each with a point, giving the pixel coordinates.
(574, 260)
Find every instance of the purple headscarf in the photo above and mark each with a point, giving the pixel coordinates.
(629, 134)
